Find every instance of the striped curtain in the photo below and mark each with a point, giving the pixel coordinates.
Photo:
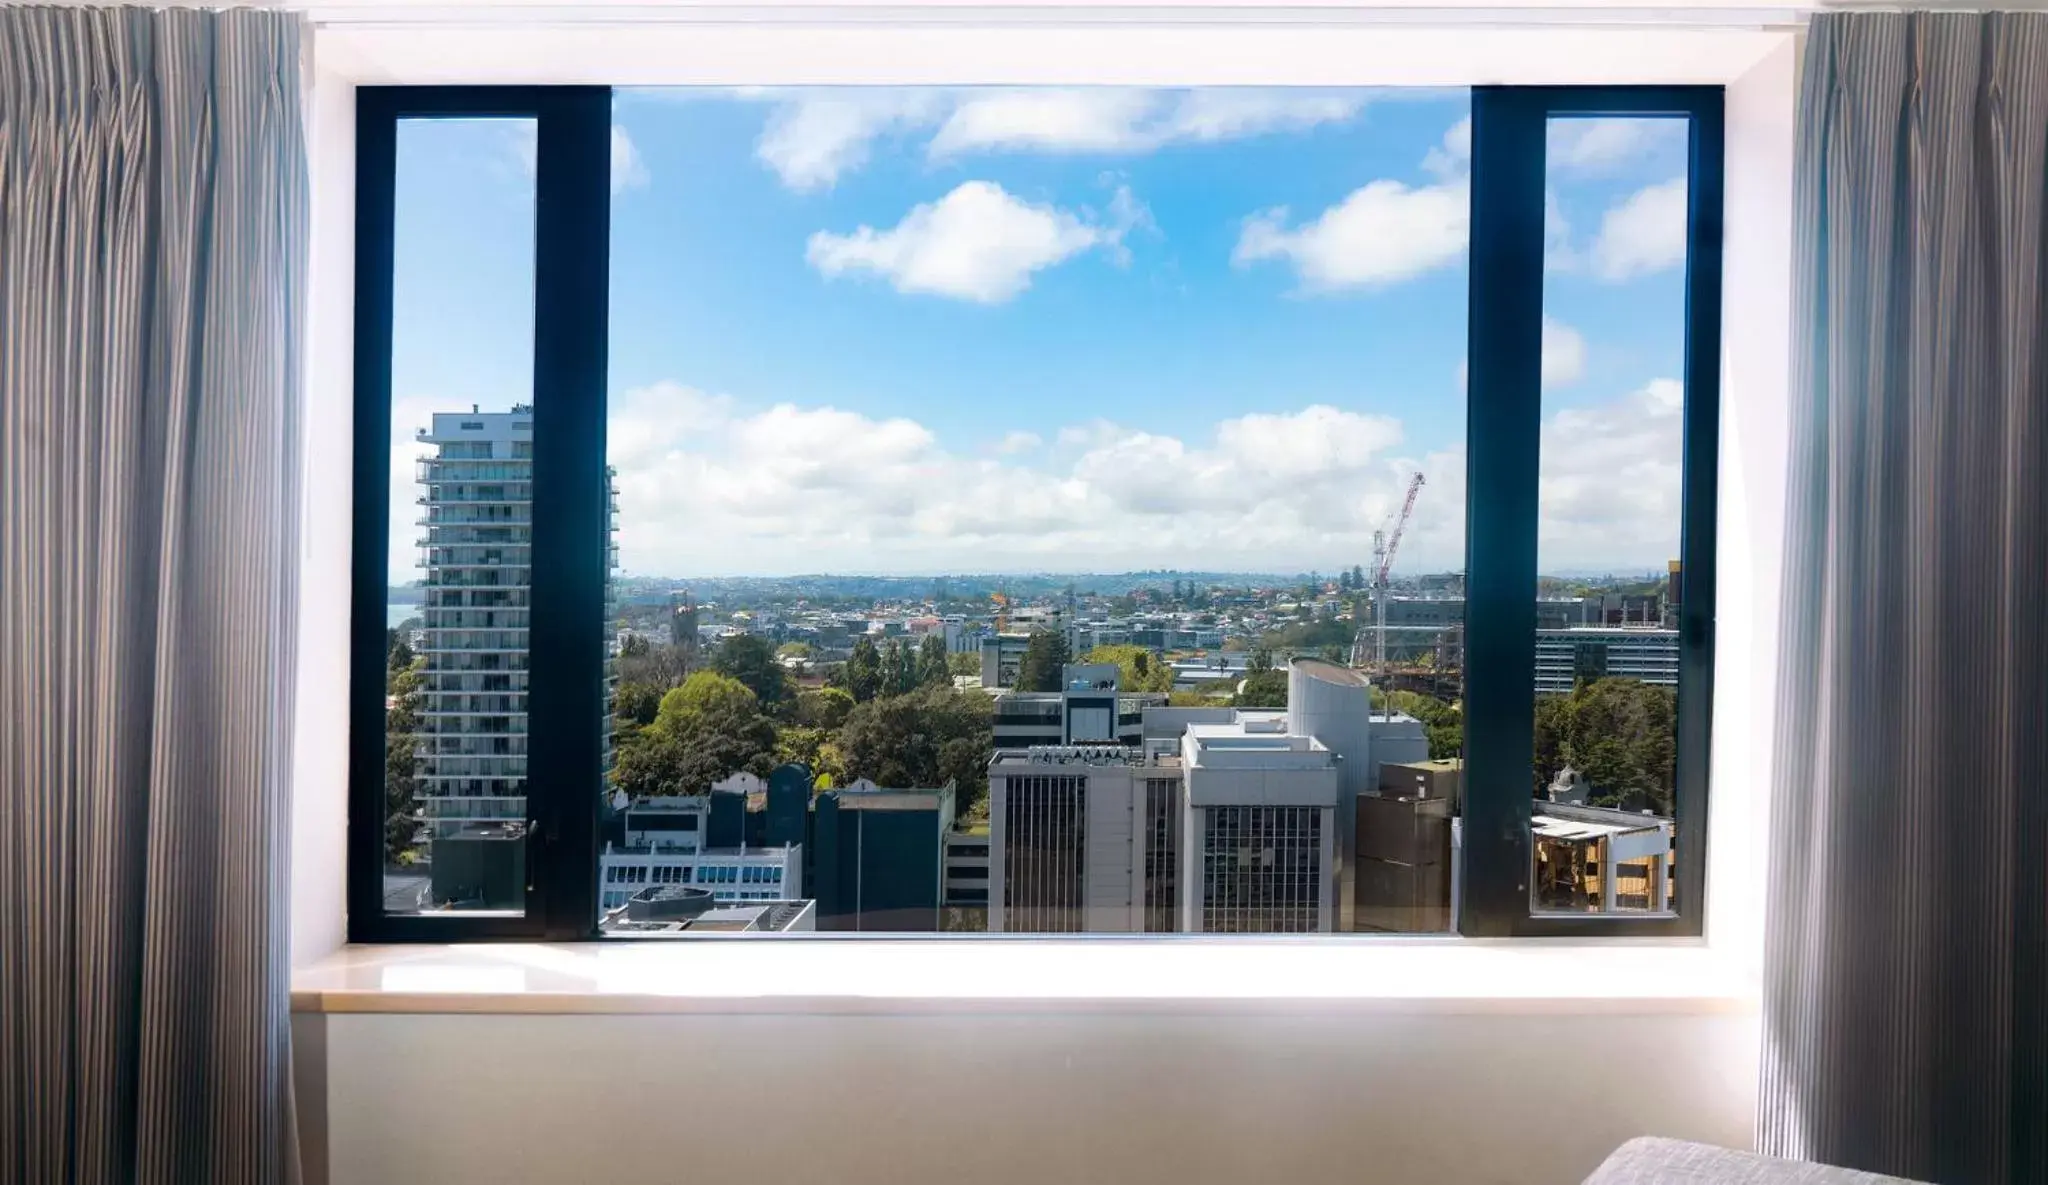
(1906, 1002)
(152, 259)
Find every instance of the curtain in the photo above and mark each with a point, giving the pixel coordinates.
(1905, 991)
(152, 258)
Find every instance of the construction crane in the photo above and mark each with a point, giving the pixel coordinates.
(1384, 545)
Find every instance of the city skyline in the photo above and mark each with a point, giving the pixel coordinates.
(906, 332)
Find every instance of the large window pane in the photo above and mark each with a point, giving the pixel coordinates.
(1609, 581)
(461, 516)
(1038, 510)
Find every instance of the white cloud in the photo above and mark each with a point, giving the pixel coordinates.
(1608, 488)
(1594, 146)
(1019, 442)
(1382, 233)
(706, 487)
(1452, 158)
(1564, 354)
(1643, 233)
(811, 140)
(628, 170)
(814, 137)
(977, 243)
(1114, 119)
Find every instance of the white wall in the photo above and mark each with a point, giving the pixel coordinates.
(1305, 1094)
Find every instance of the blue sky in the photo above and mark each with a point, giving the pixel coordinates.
(911, 331)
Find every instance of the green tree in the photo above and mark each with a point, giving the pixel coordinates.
(1137, 668)
(825, 708)
(751, 660)
(1260, 661)
(926, 738)
(708, 729)
(963, 664)
(706, 692)
(1262, 689)
(864, 670)
(932, 670)
(1622, 734)
(1044, 657)
(398, 653)
(816, 748)
(636, 704)
(899, 669)
(401, 747)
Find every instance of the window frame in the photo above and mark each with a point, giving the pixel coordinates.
(1504, 417)
(566, 639)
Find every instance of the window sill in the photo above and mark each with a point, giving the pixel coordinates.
(1434, 975)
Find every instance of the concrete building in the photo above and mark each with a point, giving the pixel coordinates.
(1258, 838)
(676, 841)
(879, 857)
(1444, 780)
(1001, 657)
(1081, 839)
(477, 543)
(1090, 709)
(1565, 656)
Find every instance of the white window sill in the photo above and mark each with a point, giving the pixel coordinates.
(881, 975)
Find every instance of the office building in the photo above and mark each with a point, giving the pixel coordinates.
(696, 841)
(1090, 709)
(1566, 656)
(1259, 829)
(1081, 839)
(1001, 657)
(879, 857)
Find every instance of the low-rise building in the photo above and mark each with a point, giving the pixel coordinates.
(668, 841)
(878, 857)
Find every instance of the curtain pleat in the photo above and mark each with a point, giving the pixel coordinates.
(152, 248)
(1905, 995)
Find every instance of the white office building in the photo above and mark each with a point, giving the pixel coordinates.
(1081, 839)
(667, 844)
(1259, 830)
(1089, 709)
(1564, 656)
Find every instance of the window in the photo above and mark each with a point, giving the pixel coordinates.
(1036, 510)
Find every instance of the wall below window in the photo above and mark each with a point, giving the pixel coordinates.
(1298, 1094)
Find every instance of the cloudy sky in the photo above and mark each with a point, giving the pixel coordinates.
(925, 331)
